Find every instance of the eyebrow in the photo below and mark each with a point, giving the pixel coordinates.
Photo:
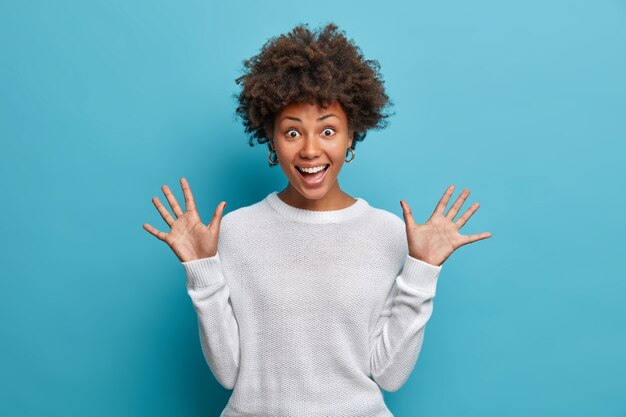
(319, 119)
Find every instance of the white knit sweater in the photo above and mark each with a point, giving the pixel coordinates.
(310, 313)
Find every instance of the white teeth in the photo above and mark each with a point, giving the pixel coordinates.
(312, 170)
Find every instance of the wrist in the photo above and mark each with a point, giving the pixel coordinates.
(198, 257)
(427, 259)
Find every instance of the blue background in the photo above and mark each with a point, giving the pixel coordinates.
(522, 102)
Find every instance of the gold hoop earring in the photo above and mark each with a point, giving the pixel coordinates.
(349, 150)
(269, 157)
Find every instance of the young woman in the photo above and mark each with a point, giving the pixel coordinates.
(311, 300)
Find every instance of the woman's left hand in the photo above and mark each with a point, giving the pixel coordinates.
(434, 241)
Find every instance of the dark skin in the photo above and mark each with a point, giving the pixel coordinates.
(306, 134)
(435, 240)
(432, 242)
(314, 139)
(188, 237)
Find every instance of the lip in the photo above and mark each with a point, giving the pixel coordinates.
(318, 183)
(310, 166)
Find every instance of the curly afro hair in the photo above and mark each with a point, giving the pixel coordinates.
(314, 67)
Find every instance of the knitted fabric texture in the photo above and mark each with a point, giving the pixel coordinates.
(311, 313)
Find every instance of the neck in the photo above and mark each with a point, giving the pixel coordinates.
(334, 199)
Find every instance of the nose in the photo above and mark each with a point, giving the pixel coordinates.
(310, 147)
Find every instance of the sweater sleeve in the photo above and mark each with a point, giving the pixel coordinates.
(396, 339)
(217, 324)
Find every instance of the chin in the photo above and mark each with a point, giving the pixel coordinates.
(317, 194)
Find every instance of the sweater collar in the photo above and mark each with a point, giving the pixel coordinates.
(315, 216)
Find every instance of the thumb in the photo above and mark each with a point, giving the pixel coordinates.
(216, 220)
(407, 213)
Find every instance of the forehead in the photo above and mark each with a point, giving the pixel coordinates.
(310, 111)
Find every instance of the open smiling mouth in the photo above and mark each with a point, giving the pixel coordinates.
(315, 178)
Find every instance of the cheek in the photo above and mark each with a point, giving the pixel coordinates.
(335, 150)
(284, 152)
(339, 152)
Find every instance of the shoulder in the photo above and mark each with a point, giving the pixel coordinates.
(242, 217)
(386, 222)
(237, 230)
(385, 217)
(388, 233)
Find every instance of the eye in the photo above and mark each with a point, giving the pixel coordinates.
(328, 129)
(290, 131)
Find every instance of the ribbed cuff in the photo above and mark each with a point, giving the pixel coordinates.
(419, 274)
(204, 271)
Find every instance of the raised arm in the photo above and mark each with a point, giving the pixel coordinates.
(396, 340)
(196, 246)
(217, 324)
(399, 332)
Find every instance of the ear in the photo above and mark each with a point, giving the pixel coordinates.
(351, 137)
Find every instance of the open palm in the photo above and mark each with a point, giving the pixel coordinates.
(188, 237)
(434, 241)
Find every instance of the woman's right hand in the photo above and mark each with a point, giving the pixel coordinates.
(188, 237)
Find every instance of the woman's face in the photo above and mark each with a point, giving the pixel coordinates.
(308, 136)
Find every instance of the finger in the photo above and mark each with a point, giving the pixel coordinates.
(407, 213)
(163, 211)
(468, 213)
(443, 202)
(160, 235)
(190, 203)
(457, 205)
(172, 200)
(476, 237)
(216, 220)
